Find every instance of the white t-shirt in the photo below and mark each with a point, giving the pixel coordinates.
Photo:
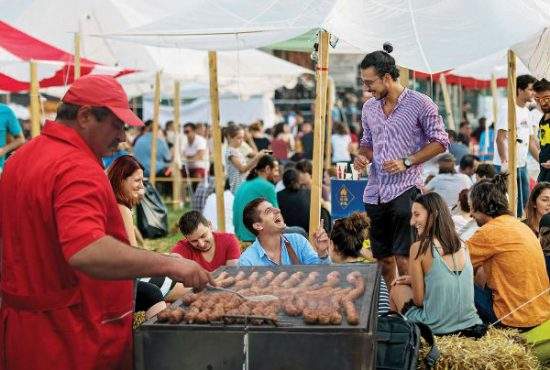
(210, 211)
(449, 186)
(340, 148)
(191, 149)
(525, 126)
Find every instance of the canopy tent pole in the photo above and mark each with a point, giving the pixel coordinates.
(217, 138)
(35, 101)
(512, 134)
(76, 55)
(328, 136)
(404, 76)
(494, 93)
(318, 131)
(176, 163)
(155, 131)
(447, 100)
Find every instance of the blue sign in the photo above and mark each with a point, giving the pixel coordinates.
(346, 197)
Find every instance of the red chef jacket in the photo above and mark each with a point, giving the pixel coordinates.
(55, 200)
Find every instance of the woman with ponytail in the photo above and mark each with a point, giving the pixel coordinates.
(515, 290)
(236, 165)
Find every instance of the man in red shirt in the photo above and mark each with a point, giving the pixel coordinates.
(66, 269)
(200, 244)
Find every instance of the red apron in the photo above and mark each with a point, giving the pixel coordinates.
(55, 200)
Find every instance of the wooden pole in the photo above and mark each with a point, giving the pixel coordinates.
(155, 131)
(328, 136)
(176, 163)
(76, 55)
(494, 93)
(512, 134)
(35, 101)
(217, 138)
(404, 76)
(447, 100)
(318, 131)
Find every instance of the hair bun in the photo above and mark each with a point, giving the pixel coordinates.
(388, 47)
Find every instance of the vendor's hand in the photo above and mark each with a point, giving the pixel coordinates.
(546, 165)
(360, 163)
(402, 280)
(2, 152)
(189, 273)
(395, 166)
(321, 241)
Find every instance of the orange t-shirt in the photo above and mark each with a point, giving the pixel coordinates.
(512, 258)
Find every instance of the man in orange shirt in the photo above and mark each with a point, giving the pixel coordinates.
(517, 290)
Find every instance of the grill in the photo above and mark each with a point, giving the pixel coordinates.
(291, 344)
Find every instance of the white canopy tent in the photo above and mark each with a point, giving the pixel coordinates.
(428, 35)
(243, 73)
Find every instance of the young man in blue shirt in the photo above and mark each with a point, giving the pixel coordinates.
(272, 247)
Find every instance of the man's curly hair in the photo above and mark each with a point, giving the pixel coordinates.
(488, 196)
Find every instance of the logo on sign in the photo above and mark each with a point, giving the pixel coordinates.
(345, 197)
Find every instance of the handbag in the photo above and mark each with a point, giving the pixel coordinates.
(152, 215)
(398, 343)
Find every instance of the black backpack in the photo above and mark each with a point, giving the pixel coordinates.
(152, 215)
(398, 343)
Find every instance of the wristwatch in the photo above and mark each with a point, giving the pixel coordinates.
(407, 162)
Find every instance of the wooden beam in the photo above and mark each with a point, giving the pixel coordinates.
(155, 130)
(494, 93)
(404, 76)
(35, 101)
(217, 138)
(176, 163)
(76, 55)
(447, 100)
(328, 136)
(512, 133)
(318, 131)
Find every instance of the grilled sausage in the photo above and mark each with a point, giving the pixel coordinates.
(351, 312)
(293, 280)
(264, 280)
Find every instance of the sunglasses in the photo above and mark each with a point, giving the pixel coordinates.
(186, 131)
(543, 99)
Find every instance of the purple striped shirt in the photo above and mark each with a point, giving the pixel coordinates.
(413, 123)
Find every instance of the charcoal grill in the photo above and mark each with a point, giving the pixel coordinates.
(290, 345)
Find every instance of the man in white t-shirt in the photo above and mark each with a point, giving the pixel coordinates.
(194, 153)
(526, 138)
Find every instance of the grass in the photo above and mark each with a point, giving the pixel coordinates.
(174, 235)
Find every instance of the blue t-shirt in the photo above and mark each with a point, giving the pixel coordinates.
(142, 151)
(255, 254)
(8, 124)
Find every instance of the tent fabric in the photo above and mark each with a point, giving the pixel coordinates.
(428, 35)
(244, 73)
(54, 66)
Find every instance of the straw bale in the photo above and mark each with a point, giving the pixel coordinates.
(499, 349)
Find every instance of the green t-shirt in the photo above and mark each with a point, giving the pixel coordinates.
(8, 124)
(247, 192)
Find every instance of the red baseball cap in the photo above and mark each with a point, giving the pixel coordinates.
(102, 91)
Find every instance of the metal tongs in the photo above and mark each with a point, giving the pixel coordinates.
(252, 298)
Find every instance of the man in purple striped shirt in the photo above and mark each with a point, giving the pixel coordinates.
(401, 130)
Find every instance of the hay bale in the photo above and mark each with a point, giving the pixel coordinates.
(499, 349)
(139, 318)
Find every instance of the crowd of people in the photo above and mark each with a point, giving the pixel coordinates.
(446, 242)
